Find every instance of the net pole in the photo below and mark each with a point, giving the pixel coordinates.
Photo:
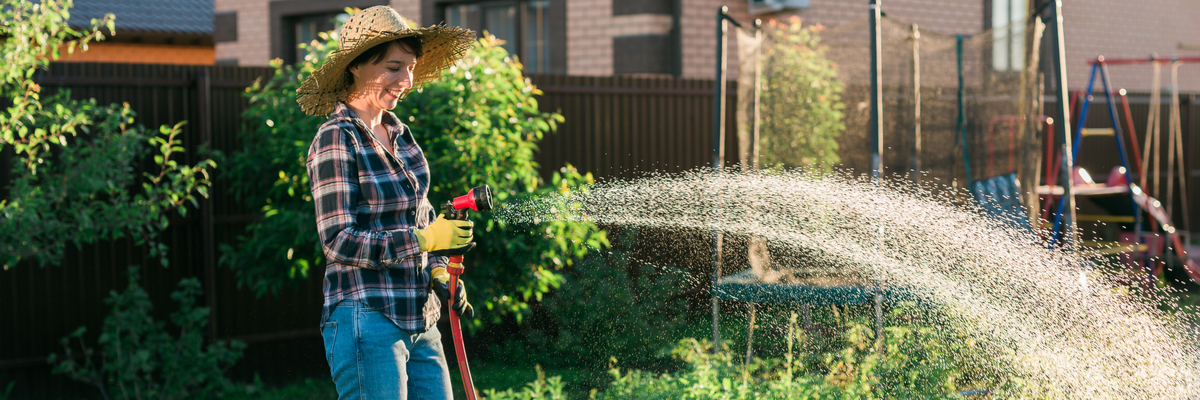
(876, 134)
(962, 110)
(1063, 114)
(1033, 94)
(916, 67)
(718, 150)
(876, 123)
(717, 158)
(754, 142)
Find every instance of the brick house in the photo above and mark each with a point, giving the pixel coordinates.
(148, 32)
(676, 37)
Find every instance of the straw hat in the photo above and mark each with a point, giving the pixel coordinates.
(443, 46)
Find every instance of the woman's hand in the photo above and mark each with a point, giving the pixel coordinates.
(446, 237)
(441, 285)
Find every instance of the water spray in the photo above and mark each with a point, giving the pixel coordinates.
(1036, 314)
(478, 199)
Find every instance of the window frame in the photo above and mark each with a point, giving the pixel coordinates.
(555, 11)
(1010, 43)
(283, 15)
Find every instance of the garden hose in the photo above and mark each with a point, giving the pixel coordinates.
(478, 199)
(456, 268)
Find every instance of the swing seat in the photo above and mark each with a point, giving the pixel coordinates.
(999, 198)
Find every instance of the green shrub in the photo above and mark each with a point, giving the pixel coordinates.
(76, 174)
(138, 359)
(801, 111)
(606, 307)
(478, 124)
(913, 361)
(542, 388)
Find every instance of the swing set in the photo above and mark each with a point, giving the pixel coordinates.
(1144, 249)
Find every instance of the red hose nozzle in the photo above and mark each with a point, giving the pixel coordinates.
(478, 199)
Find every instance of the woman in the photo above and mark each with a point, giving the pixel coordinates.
(369, 182)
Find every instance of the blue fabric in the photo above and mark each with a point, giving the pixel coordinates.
(1000, 198)
(371, 358)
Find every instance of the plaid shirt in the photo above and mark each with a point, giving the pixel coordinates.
(368, 203)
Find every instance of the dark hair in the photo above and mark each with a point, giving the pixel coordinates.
(375, 54)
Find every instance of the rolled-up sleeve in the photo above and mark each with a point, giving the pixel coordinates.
(333, 173)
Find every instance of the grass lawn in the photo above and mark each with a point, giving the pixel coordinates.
(578, 383)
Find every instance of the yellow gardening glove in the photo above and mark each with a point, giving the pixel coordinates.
(441, 285)
(446, 237)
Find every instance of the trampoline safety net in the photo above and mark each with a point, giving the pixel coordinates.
(959, 108)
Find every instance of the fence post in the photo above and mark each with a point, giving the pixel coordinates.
(204, 113)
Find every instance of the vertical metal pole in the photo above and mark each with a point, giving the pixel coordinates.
(758, 36)
(204, 99)
(962, 110)
(916, 67)
(1063, 134)
(876, 134)
(876, 124)
(718, 154)
(718, 157)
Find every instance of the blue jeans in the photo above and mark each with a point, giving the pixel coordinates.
(371, 358)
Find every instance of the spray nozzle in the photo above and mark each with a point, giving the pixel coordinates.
(478, 199)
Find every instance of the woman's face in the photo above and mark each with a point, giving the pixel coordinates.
(381, 85)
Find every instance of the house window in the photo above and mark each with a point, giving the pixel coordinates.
(306, 28)
(293, 22)
(1008, 34)
(524, 26)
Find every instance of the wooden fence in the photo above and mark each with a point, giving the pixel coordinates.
(615, 127)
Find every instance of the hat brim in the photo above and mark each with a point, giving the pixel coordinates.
(442, 47)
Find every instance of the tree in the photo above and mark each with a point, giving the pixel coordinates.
(801, 98)
(76, 176)
(478, 124)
